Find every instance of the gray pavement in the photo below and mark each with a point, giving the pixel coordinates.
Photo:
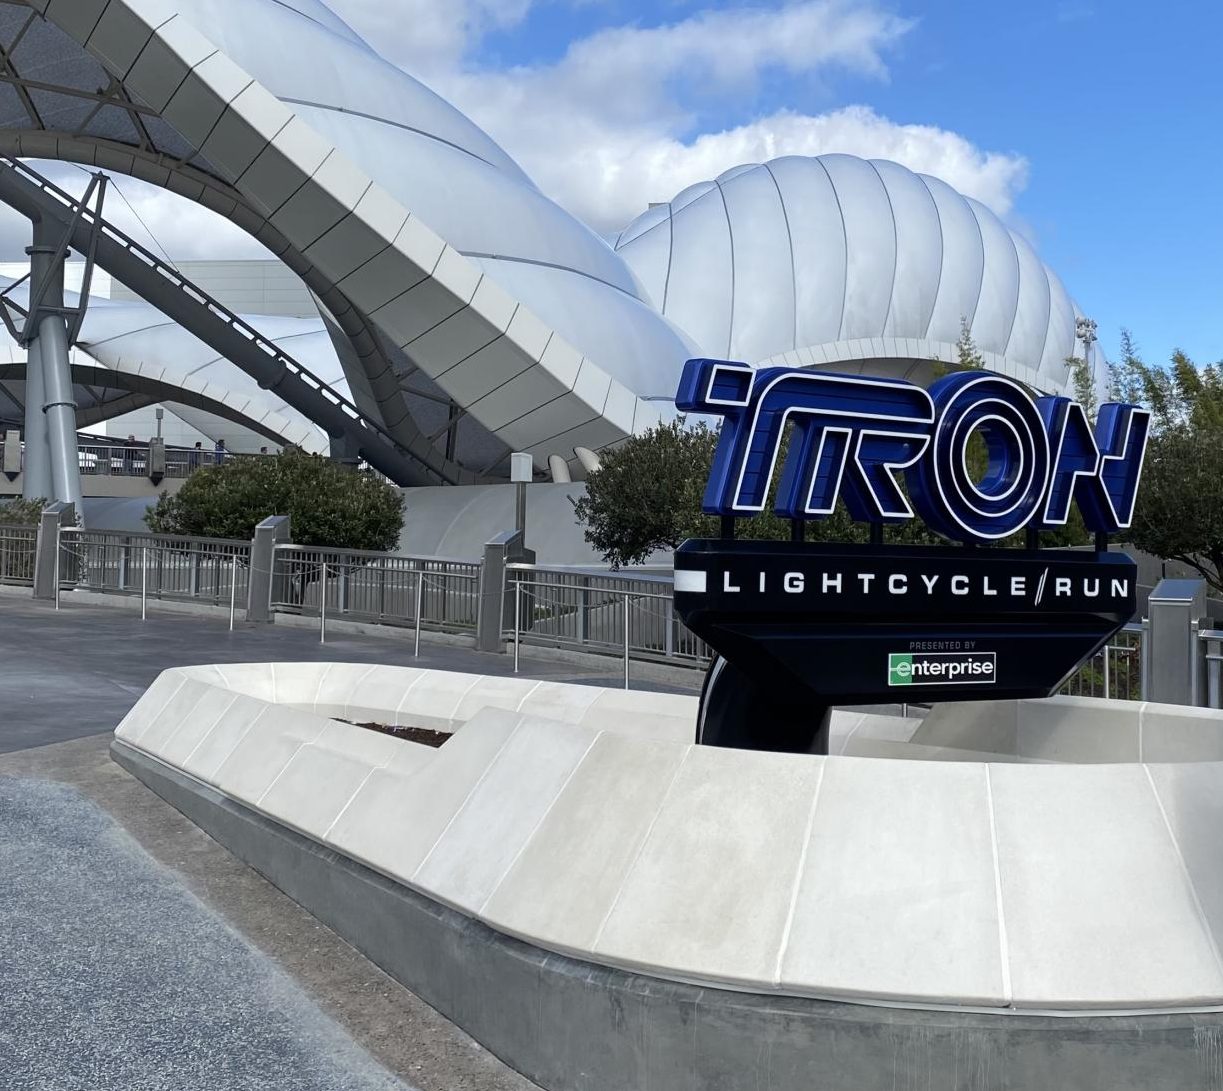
(136, 952)
(113, 976)
(74, 672)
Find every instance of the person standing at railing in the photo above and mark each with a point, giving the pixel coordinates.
(219, 454)
(195, 456)
(129, 457)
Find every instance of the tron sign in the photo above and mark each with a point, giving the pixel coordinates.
(853, 435)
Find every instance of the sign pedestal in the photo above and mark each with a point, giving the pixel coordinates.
(803, 628)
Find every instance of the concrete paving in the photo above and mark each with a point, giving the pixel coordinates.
(113, 976)
(74, 672)
(136, 952)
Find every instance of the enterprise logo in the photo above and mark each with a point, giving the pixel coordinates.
(941, 668)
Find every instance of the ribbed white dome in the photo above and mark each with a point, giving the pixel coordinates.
(839, 258)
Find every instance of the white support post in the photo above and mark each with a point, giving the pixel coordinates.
(36, 460)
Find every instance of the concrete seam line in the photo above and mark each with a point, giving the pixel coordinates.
(467, 798)
(463, 696)
(235, 746)
(233, 698)
(348, 802)
(182, 681)
(594, 943)
(263, 794)
(318, 688)
(1003, 945)
(1203, 922)
(798, 872)
(354, 687)
(535, 829)
(407, 692)
(527, 696)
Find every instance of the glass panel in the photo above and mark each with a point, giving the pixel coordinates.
(13, 114)
(12, 18)
(63, 112)
(113, 123)
(166, 139)
(48, 55)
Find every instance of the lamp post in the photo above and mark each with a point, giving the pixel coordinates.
(1085, 331)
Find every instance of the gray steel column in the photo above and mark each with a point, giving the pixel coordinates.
(36, 482)
(47, 266)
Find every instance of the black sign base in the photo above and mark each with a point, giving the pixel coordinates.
(736, 712)
(805, 627)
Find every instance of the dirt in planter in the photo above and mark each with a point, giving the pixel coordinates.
(424, 735)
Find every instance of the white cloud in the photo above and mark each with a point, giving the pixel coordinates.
(162, 221)
(622, 118)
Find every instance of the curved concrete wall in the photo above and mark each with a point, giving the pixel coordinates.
(581, 821)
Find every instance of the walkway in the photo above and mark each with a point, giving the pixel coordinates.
(136, 952)
(77, 671)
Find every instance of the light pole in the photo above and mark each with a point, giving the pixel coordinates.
(1085, 331)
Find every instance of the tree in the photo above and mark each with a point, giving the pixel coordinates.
(646, 496)
(968, 356)
(22, 513)
(1179, 512)
(329, 504)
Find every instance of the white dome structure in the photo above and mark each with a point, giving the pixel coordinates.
(833, 260)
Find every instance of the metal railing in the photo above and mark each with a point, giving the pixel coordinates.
(18, 546)
(122, 460)
(209, 570)
(1116, 671)
(420, 592)
(632, 617)
(1211, 644)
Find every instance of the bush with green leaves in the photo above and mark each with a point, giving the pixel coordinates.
(21, 513)
(329, 504)
(646, 496)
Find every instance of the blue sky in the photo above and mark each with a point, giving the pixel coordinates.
(1104, 118)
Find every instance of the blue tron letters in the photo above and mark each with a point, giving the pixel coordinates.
(853, 434)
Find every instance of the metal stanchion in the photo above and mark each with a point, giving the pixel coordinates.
(517, 619)
(420, 590)
(58, 547)
(322, 614)
(1108, 688)
(626, 640)
(233, 592)
(144, 583)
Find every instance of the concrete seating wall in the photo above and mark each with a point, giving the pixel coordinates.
(1083, 730)
(1036, 887)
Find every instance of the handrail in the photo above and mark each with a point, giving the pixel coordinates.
(168, 540)
(296, 547)
(174, 277)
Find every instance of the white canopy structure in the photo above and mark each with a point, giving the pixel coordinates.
(474, 316)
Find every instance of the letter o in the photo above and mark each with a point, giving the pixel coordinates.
(1009, 495)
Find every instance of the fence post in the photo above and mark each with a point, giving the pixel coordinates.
(233, 592)
(273, 531)
(1108, 689)
(1175, 656)
(46, 549)
(59, 544)
(144, 583)
(322, 607)
(505, 548)
(420, 590)
(626, 639)
(517, 620)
